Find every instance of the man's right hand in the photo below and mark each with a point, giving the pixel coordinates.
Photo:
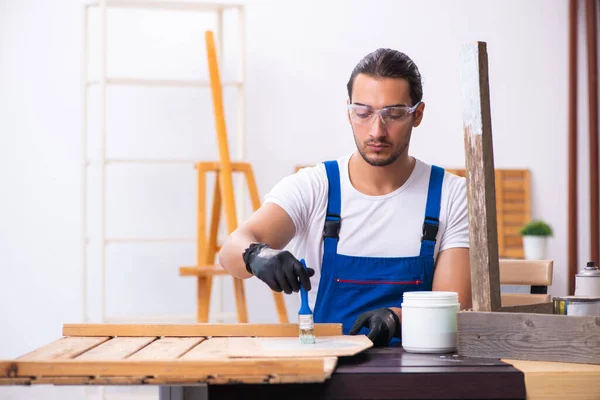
(277, 268)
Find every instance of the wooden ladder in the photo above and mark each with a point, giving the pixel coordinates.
(223, 200)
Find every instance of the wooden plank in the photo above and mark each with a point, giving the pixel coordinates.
(332, 346)
(189, 330)
(558, 381)
(61, 380)
(167, 348)
(8, 369)
(516, 207)
(117, 348)
(64, 348)
(202, 271)
(513, 299)
(483, 232)
(536, 308)
(514, 196)
(213, 348)
(117, 380)
(175, 380)
(526, 272)
(15, 381)
(177, 368)
(535, 337)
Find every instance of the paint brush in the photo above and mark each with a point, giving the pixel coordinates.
(305, 317)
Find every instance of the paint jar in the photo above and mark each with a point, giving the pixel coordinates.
(577, 305)
(429, 322)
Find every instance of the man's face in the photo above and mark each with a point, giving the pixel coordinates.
(381, 138)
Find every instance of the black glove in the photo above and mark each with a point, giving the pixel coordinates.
(383, 325)
(277, 268)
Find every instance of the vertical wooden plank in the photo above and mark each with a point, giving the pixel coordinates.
(483, 233)
(64, 348)
(573, 190)
(592, 58)
(166, 348)
(117, 348)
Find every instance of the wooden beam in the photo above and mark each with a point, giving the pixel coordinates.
(186, 330)
(572, 192)
(538, 308)
(533, 337)
(592, 57)
(189, 369)
(483, 233)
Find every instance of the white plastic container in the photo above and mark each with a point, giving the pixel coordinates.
(429, 322)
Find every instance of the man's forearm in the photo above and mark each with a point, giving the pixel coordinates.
(230, 256)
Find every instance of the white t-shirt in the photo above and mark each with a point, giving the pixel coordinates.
(372, 226)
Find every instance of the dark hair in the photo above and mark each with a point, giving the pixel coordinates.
(388, 63)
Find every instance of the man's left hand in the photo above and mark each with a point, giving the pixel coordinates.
(383, 325)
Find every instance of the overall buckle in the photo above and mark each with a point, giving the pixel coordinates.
(430, 230)
(332, 226)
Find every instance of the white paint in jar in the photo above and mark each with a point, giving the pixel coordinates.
(429, 321)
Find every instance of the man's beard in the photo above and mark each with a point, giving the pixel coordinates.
(382, 162)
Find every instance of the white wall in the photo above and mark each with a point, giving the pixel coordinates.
(299, 57)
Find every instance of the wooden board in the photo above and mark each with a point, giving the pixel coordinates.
(138, 354)
(559, 381)
(343, 345)
(201, 329)
(535, 337)
(477, 125)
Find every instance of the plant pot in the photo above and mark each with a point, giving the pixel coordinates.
(535, 247)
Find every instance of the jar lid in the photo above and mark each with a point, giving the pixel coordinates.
(589, 270)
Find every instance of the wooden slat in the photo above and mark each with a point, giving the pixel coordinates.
(15, 381)
(209, 270)
(513, 196)
(213, 348)
(189, 330)
(333, 346)
(559, 381)
(117, 380)
(483, 230)
(526, 272)
(515, 219)
(167, 348)
(177, 368)
(117, 348)
(64, 348)
(534, 337)
(516, 207)
(513, 299)
(514, 252)
(536, 308)
(61, 380)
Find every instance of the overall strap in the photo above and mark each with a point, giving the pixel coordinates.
(331, 229)
(432, 211)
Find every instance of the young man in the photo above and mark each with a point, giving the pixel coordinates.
(371, 225)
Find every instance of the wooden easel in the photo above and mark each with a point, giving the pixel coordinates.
(223, 200)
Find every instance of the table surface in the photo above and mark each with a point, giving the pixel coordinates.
(392, 373)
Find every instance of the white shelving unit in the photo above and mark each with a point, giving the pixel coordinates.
(103, 82)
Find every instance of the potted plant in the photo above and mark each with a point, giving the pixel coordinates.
(535, 235)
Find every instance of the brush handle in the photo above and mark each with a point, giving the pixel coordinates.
(304, 307)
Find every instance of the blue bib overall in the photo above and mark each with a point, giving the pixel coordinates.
(351, 285)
